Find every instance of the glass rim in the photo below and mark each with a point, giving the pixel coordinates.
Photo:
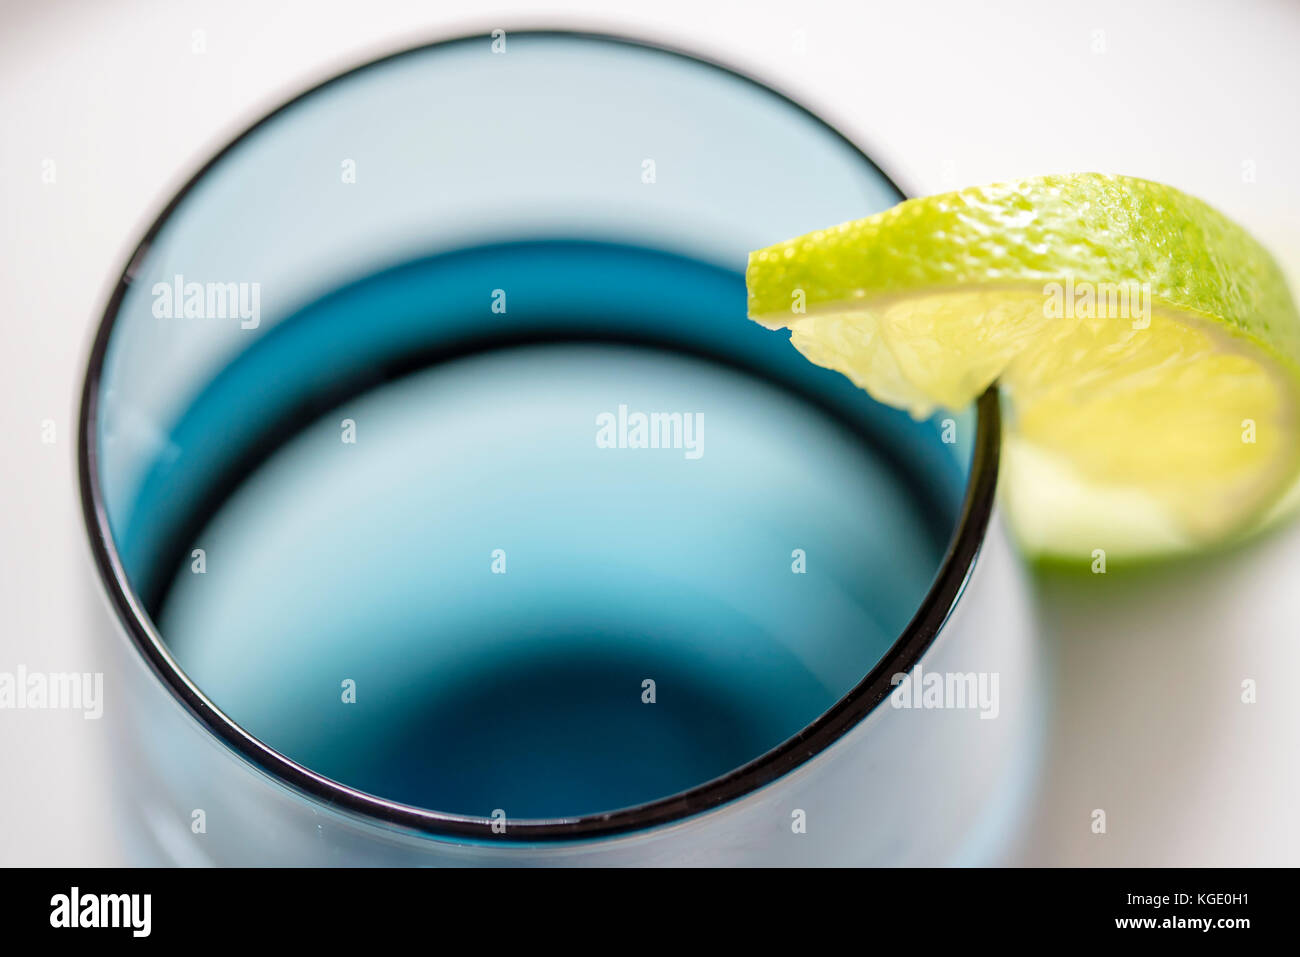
(848, 711)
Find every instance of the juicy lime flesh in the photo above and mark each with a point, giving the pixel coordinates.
(1136, 424)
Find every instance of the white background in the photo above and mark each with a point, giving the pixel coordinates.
(1147, 723)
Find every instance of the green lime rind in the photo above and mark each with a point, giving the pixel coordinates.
(1085, 226)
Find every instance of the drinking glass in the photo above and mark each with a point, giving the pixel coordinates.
(450, 510)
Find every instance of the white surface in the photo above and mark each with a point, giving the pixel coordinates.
(1148, 722)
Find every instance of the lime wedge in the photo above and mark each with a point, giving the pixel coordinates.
(1146, 348)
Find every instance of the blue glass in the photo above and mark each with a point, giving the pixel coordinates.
(380, 527)
(515, 678)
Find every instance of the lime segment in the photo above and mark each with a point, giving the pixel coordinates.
(1147, 349)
